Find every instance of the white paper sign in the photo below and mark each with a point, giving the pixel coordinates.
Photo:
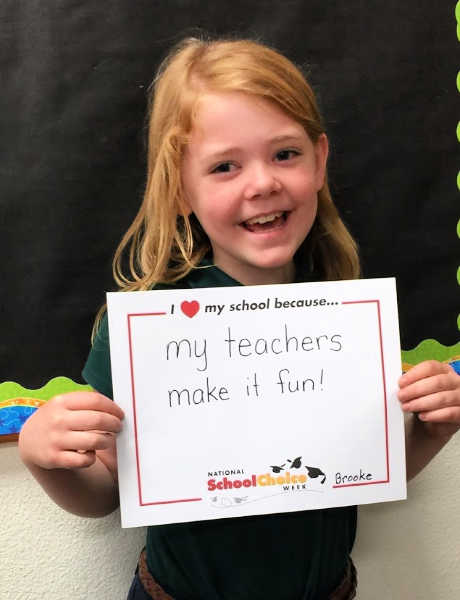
(255, 400)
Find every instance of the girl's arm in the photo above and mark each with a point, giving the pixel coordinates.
(430, 396)
(68, 445)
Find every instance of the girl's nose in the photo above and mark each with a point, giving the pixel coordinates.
(261, 182)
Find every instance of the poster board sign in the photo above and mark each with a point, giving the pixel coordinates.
(256, 399)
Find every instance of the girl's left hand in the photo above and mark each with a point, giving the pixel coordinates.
(431, 389)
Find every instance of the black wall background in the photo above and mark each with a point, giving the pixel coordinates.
(74, 76)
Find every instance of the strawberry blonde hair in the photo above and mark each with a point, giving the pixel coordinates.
(164, 243)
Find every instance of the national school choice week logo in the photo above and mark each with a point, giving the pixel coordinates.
(280, 479)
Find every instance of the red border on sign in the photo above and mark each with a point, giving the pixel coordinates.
(385, 404)
(133, 392)
(345, 485)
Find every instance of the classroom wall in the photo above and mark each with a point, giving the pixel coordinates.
(73, 104)
(405, 550)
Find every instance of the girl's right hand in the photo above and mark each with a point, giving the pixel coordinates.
(66, 432)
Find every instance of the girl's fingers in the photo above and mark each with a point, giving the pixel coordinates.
(428, 368)
(89, 401)
(450, 415)
(438, 384)
(87, 420)
(75, 460)
(449, 399)
(432, 390)
(85, 441)
(67, 431)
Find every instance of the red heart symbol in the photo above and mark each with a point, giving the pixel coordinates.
(190, 308)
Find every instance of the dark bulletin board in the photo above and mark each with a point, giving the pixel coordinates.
(74, 81)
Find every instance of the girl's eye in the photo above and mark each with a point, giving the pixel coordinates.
(286, 154)
(224, 167)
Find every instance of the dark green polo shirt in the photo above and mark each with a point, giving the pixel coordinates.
(292, 556)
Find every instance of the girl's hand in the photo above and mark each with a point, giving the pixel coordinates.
(65, 432)
(431, 389)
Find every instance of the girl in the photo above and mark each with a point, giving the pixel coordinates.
(236, 194)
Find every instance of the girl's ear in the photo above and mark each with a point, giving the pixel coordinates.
(321, 154)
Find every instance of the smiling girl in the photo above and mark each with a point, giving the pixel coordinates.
(251, 177)
(236, 194)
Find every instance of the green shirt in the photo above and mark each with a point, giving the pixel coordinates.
(289, 556)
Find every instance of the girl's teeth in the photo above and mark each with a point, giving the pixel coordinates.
(264, 219)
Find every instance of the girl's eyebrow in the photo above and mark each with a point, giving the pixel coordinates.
(290, 137)
(220, 154)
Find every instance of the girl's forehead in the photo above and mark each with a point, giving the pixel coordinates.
(228, 109)
(223, 101)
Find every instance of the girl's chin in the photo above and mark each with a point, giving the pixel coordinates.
(274, 263)
(267, 273)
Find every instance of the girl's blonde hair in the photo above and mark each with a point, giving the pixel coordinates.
(164, 243)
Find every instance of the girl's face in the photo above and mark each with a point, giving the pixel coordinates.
(251, 175)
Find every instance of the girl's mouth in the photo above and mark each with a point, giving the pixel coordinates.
(265, 222)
